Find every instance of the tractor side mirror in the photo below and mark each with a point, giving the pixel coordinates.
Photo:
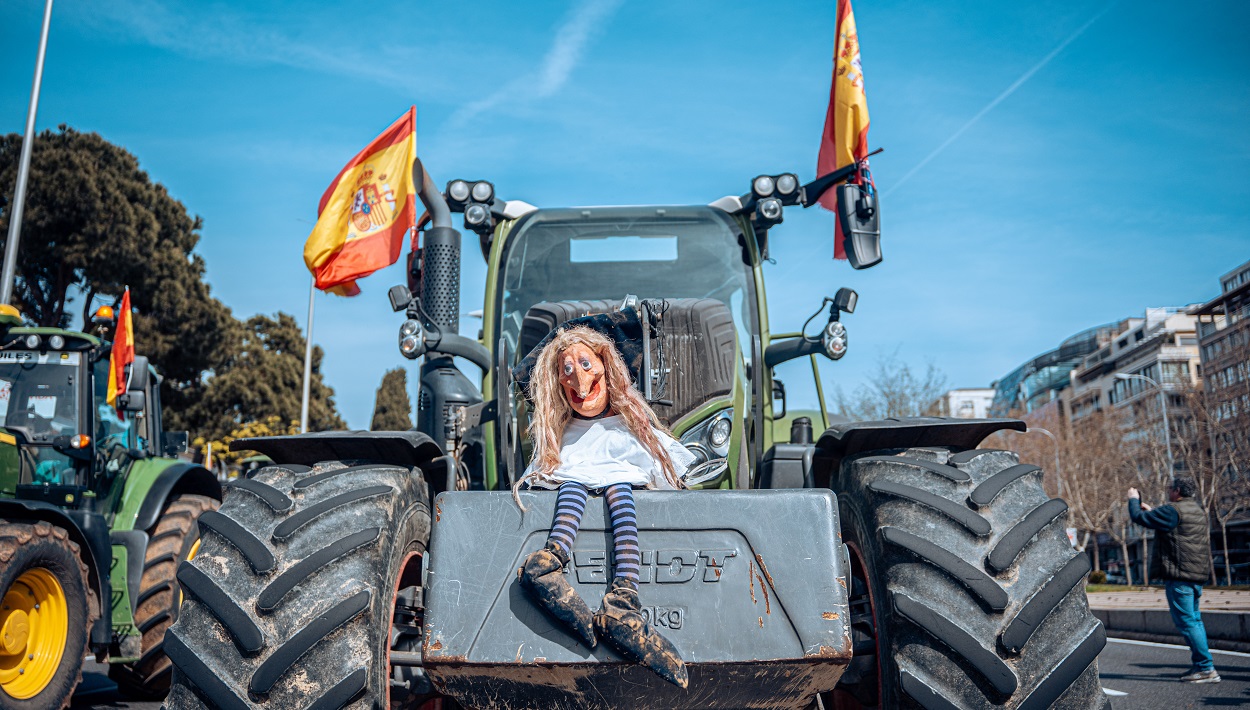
(132, 401)
(859, 215)
(175, 442)
(137, 375)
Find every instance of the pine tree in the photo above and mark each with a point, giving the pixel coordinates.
(392, 409)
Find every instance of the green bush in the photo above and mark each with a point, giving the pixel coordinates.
(1097, 577)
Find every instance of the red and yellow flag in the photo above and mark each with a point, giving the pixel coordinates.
(366, 211)
(123, 350)
(845, 139)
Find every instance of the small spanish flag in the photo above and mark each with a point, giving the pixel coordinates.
(123, 352)
(366, 211)
(845, 139)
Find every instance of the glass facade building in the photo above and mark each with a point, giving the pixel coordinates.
(1038, 381)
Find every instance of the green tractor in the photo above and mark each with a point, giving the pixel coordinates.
(95, 515)
(878, 564)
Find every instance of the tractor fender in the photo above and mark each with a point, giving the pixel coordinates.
(151, 483)
(91, 533)
(841, 441)
(401, 448)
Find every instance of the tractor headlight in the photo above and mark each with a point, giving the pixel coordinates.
(709, 439)
(834, 340)
(56, 342)
(483, 191)
(787, 183)
(770, 209)
(31, 341)
(410, 327)
(476, 214)
(718, 433)
(410, 346)
(458, 190)
(763, 186)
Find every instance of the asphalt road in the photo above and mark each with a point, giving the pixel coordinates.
(1137, 676)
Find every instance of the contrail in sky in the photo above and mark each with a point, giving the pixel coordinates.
(562, 57)
(997, 100)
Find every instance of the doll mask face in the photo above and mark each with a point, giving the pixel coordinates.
(581, 375)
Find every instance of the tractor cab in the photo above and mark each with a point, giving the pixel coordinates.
(65, 437)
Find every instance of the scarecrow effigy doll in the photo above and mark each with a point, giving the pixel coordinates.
(594, 433)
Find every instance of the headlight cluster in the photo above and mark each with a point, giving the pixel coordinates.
(411, 339)
(474, 199)
(709, 439)
(771, 192)
(834, 340)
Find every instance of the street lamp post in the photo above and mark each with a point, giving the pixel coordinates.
(1167, 440)
(1163, 401)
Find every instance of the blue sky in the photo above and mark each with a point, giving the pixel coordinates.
(1114, 177)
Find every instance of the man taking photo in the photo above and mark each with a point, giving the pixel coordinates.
(1182, 558)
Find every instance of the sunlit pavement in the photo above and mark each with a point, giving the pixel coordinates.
(1146, 674)
(1137, 676)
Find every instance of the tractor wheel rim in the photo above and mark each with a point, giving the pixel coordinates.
(34, 629)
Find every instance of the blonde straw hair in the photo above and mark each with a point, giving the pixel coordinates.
(552, 412)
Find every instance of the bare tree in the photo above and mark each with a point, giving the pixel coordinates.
(892, 390)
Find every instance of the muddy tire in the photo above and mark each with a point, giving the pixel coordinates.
(289, 601)
(41, 648)
(172, 540)
(977, 596)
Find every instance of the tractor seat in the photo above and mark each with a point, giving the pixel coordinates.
(696, 336)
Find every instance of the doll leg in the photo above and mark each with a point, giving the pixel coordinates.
(620, 620)
(543, 572)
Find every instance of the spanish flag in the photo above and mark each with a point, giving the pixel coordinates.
(845, 139)
(123, 352)
(366, 211)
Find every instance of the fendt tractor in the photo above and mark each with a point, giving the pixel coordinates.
(880, 564)
(95, 515)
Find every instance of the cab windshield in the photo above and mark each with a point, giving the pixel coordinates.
(608, 253)
(39, 393)
(39, 398)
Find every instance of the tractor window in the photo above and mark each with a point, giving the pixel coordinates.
(39, 394)
(608, 253)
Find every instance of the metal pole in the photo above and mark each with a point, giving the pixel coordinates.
(820, 392)
(308, 348)
(1163, 401)
(23, 168)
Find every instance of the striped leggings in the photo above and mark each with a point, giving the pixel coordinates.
(571, 505)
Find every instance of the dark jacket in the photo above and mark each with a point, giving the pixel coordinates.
(1183, 544)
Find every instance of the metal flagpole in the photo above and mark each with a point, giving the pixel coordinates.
(23, 167)
(308, 347)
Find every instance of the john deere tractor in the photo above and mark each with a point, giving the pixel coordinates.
(95, 515)
(875, 564)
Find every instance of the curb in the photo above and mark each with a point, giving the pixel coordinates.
(1226, 631)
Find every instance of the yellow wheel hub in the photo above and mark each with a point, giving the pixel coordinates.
(34, 628)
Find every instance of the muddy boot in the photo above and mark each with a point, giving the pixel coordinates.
(543, 577)
(620, 623)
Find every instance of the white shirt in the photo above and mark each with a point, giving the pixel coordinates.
(601, 452)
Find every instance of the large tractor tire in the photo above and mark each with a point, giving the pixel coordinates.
(46, 611)
(289, 601)
(174, 539)
(968, 592)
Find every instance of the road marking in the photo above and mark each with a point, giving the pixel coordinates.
(1114, 693)
(1183, 648)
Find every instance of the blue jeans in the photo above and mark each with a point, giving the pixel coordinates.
(1183, 603)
